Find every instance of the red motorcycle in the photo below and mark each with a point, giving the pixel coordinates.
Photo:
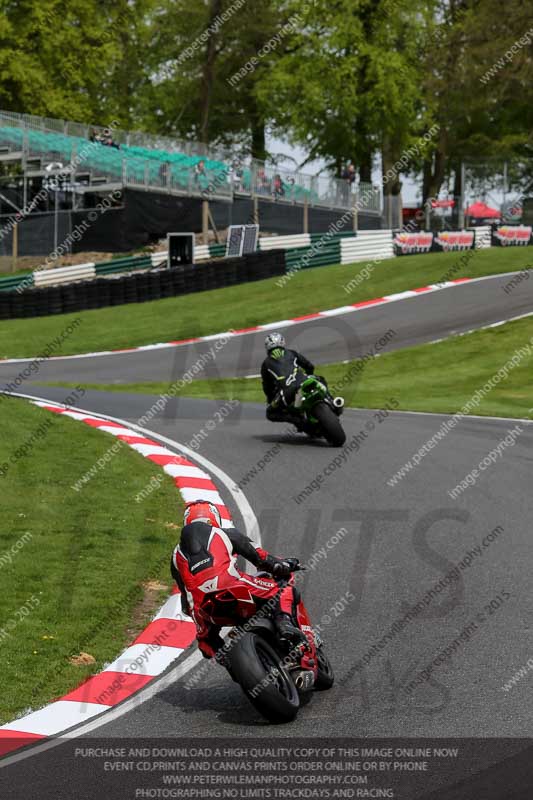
(277, 677)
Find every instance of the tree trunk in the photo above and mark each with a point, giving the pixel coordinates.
(433, 175)
(258, 134)
(389, 156)
(208, 72)
(391, 184)
(457, 193)
(365, 167)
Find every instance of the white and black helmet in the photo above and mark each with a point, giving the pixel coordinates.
(274, 340)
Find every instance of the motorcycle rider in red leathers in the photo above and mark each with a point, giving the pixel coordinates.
(204, 562)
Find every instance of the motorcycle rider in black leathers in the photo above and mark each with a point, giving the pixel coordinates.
(278, 365)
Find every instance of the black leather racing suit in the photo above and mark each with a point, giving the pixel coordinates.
(273, 373)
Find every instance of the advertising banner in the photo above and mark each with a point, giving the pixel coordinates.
(409, 243)
(454, 240)
(507, 235)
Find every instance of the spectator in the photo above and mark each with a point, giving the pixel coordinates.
(104, 138)
(278, 186)
(199, 172)
(107, 139)
(349, 174)
(164, 173)
(236, 178)
(262, 182)
(96, 137)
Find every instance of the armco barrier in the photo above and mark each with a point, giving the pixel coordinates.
(367, 246)
(50, 277)
(141, 287)
(364, 243)
(320, 254)
(284, 242)
(11, 283)
(123, 265)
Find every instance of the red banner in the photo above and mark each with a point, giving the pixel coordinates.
(413, 242)
(442, 203)
(455, 240)
(513, 234)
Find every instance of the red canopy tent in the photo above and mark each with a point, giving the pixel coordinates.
(481, 210)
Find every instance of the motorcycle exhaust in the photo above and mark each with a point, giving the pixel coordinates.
(304, 680)
(338, 402)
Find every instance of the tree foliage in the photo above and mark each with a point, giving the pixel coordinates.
(345, 79)
(69, 59)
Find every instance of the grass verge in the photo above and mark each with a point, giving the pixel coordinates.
(439, 377)
(247, 304)
(95, 562)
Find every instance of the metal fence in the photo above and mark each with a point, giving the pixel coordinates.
(226, 172)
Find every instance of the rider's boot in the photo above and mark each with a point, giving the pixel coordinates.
(288, 631)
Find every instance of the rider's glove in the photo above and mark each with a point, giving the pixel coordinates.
(281, 569)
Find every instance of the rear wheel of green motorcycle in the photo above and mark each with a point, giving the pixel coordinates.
(257, 668)
(329, 422)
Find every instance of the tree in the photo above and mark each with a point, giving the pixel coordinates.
(196, 56)
(348, 85)
(480, 99)
(49, 57)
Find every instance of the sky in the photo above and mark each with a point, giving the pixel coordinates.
(410, 188)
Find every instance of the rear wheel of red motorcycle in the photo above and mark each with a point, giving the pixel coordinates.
(324, 677)
(257, 668)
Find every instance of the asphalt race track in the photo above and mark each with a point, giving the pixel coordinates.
(400, 542)
(337, 338)
(384, 546)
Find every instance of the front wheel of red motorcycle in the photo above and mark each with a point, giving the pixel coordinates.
(257, 668)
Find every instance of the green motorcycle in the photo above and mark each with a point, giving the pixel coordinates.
(307, 397)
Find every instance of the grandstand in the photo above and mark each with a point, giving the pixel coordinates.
(236, 187)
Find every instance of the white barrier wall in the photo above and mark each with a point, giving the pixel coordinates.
(482, 236)
(370, 245)
(284, 242)
(158, 259)
(201, 252)
(49, 277)
(367, 246)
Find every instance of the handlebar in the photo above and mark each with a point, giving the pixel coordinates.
(294, 564)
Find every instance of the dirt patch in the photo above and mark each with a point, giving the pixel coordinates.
(146, 607)
(29, 263)
(82, 660)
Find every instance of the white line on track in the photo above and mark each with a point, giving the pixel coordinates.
(169, 678)
(485, 417)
